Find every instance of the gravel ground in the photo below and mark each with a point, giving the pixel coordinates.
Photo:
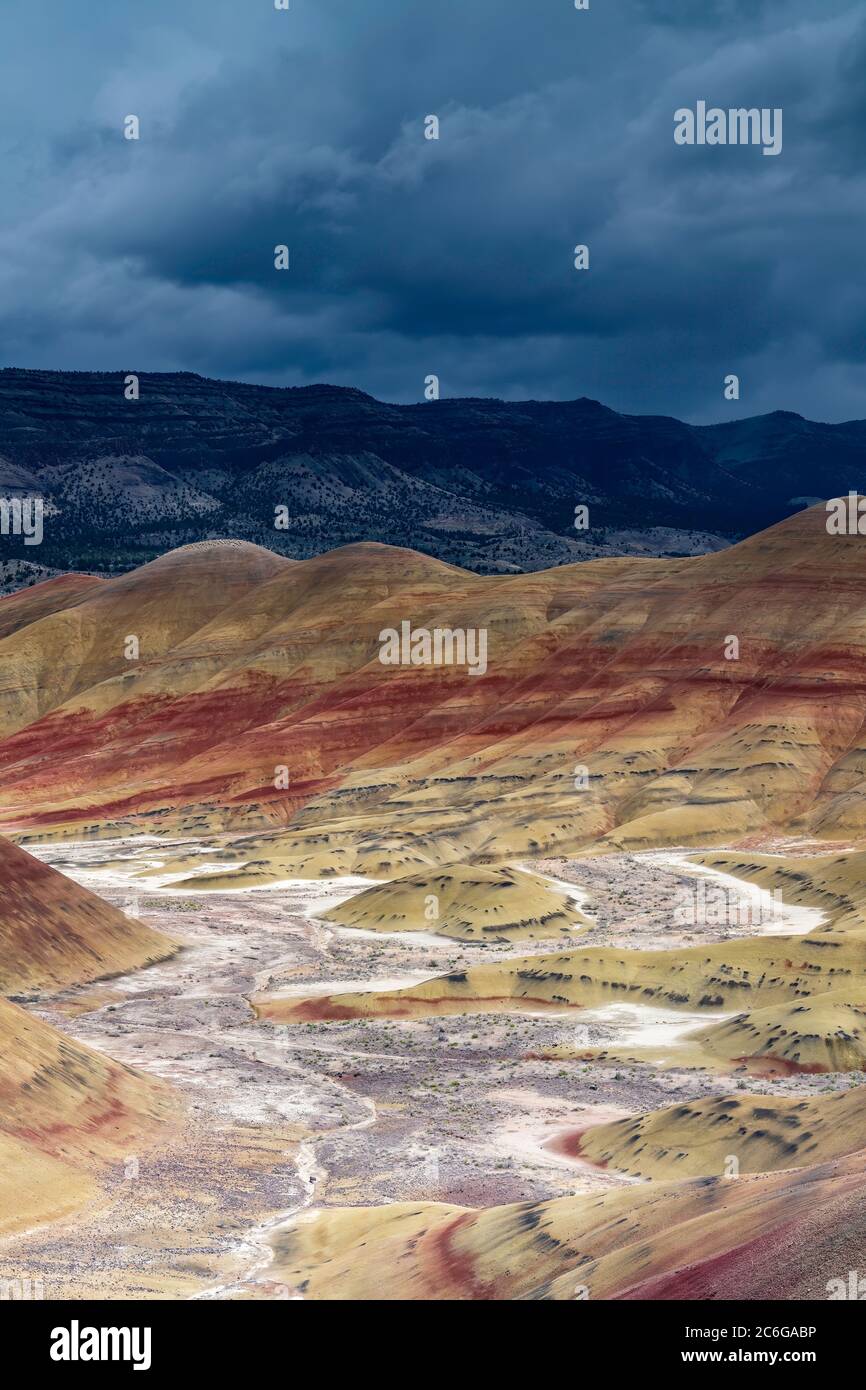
(364, 1112)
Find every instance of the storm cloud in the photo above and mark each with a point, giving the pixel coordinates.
(454, 257)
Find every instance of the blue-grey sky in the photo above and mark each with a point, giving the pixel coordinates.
(454, 257)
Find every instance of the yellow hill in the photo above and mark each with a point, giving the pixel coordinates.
(55, 933)
(28, 605)
(35, 1188)
(835, 883)
(723, 976)
(65, 1113)
(777, 1235)
(810, 1030)
(470, 903)
(824, 1033)
(161, 603)
(760, 1133)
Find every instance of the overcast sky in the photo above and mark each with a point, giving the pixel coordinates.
(453, 257)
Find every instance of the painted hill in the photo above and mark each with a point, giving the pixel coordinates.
(782, 1033)
(66, 1113)
(763, 971)
(824, 1033)
(160, 606)
(762, 1134)
(778, 1235)
(29, 605)
(54, 933)
(470, 903)
(608, 714)
(834, 883)
(809, 1035)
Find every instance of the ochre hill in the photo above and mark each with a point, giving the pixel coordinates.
(835, 883)
(804, 1028)
(778, 1235)
(725, 975)
(761, 1133)
(824, 1033)
(609, 712)
(65, 655)
(470, 903)
(65, 1114)
(51, 596)
(821, 1033)
(55, 933)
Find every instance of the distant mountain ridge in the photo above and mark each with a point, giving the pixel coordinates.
(490, 485)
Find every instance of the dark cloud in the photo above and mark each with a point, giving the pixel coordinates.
(704, 13)
(455, 257)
